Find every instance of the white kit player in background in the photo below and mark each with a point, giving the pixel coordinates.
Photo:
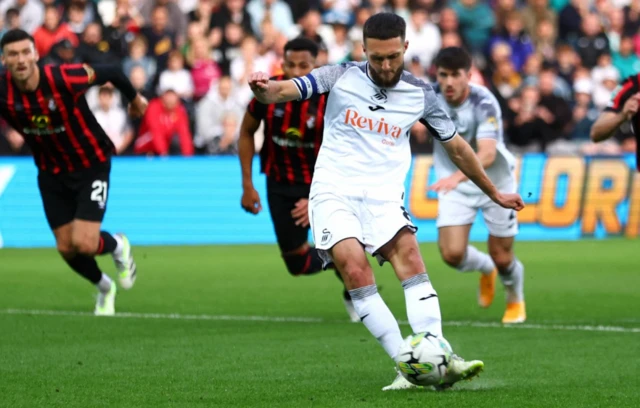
(356, 199)
(478, 119)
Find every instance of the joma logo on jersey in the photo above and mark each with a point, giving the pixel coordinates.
(380, 127)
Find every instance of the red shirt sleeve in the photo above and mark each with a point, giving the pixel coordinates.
(628, 88)
(78, 77)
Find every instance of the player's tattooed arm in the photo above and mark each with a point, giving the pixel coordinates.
(466, 160)
(487, 152)
(268, 91)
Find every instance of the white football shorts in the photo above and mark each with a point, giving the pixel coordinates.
(374, 223)
(455, 208)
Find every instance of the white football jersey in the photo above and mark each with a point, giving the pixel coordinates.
(478, 117)
(365, 148)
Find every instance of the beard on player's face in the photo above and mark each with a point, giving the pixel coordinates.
(386, 79)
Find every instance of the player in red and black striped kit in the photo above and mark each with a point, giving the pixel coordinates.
(625, 106)
(293, 135)
(45, 103)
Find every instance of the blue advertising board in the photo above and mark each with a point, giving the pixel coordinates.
(188, 201)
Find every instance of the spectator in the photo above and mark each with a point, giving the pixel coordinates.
(361, 15)
(553, 113)
(545, 40)
(93, 49)
(401, 8)
(536, 11)
(63, 52)
(449, 21)
(232, 11)
(11, 21)
(120, 31)
(160, 38)
(311, 27)
(605, 79)
(76, 17)
(585, 114)
(176, 77)
(626, 61)
(52, 31)
(204, 70)
(253, 58)
(632, 17)
(276, 11)
(340, 47)
(221, 100)
(515, 36)
(202, 15)
(503, 9)
(113, 119)
(194, 32)
(476, 21)
(176, 18)
(230, 47)
(523, 125)
(165, 127)
(615, 29)
(424, 38)
(570, 20)
(225, 143)
(567, 63)
(31, 13)
(592, 42)
(138, 56)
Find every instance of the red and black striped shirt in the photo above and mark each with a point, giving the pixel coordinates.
(630, 86)
(55, 119)
(292, 137)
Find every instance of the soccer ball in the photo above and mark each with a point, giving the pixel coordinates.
(423, 359)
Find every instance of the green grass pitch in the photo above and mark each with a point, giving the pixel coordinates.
(217, 327)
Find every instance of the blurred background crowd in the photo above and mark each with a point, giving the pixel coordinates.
(552, 64)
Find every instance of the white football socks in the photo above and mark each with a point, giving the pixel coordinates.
(423, 307)
(513, 280)
(475, 260)
(104, 286)
(377, 317)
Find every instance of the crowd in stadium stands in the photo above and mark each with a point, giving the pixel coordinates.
(553, 64)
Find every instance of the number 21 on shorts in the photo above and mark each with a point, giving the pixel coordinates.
(99, 192)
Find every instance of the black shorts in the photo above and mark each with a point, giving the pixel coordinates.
(282, 199)
(79, 195)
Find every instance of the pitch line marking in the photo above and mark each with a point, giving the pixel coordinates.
(292, 319)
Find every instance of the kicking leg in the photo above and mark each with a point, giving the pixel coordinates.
(350, 259)
(423, 307)
(511, 272)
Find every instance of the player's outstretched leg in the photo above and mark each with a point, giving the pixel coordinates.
(351, 261)
(456, 252)
(119, 247)
(423, 306)
(79, 256)
(511, 273)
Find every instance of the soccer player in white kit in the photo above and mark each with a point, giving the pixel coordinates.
(478, 119)
(356, 199)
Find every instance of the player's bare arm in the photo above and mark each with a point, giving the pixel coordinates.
(268, 91)
(250, 200)
(466, 160)
(487, 152)
(609, 122)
